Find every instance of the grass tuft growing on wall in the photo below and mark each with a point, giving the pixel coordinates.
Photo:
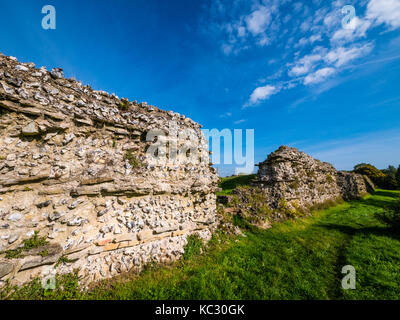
(295, 259)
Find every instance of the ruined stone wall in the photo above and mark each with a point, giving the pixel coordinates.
(303, 181)
(74, 168)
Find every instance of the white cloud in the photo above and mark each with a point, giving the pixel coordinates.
(304, 41)
(306, 25)
(226, 48)
(328, 62)
(257, 22)
(341, 55)
(318, 76)
(239, 121)
(226, 115)
(305, 64)
(287, 18)
(320, 14)
(241, 31)
(331, 20)
(384, 11)
(261, 93)
(357, 28)
(264, 41)
(315, 37)
(243, 26)
(297, 6)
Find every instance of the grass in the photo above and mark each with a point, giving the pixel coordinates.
(228, 184)
(297, 259)
(33, 242)
(123, 104)
(132, 159)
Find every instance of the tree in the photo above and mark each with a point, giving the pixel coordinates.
(391, 171)
(389, 182)
(398, 177)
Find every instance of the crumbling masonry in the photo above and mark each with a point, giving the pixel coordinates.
(74, 168)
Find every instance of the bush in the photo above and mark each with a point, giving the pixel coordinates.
(376, 175)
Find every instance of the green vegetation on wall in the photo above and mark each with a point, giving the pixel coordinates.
(299, 259)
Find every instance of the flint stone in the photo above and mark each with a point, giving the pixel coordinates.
(15, 217)
(57, 73)
(31, 129)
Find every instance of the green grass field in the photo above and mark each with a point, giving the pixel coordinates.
(299, 259)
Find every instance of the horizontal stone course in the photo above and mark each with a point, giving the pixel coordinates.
(64, 172)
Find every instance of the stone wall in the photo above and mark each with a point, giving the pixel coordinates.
(74, 168)
(301, 181)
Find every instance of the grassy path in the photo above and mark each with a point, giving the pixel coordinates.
(294, 260)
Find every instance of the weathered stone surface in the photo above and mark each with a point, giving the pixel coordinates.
(31, 129)
(144, 235)
(50, 249)
(296, 178)
(15, 217)
(74, 166)
(166, 229)
(37, 261)
(5, 268)
(96, 180)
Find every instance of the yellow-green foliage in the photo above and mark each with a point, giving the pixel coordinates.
(289, 210)
(44, 253)
(376, 175)
(329, 178)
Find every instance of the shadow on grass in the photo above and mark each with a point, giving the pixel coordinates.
(385, 204)
(387, 193)
(352, 231)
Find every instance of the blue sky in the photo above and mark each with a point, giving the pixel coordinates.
(287, 69)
